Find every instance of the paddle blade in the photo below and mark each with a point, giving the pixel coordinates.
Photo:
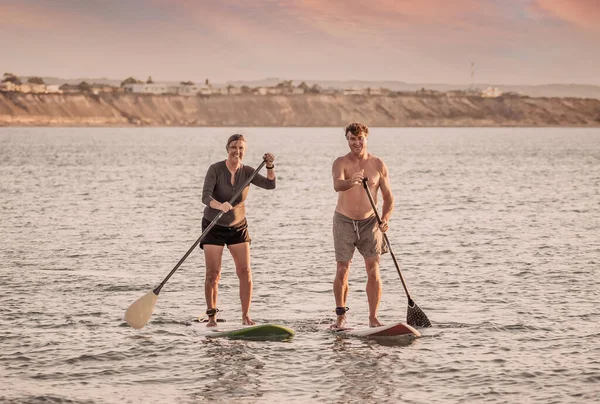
(140, 311)
(415, 317)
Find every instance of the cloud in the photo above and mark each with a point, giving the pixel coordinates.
(583, 14)
(23, 16)
(235, 39)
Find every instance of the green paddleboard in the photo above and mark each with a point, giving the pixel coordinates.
(253, 332)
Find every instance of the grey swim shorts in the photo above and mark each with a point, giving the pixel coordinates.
(363, 234)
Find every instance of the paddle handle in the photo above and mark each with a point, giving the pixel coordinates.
(209, 227)
(387, 242)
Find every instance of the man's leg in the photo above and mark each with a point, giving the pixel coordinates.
(340, 289)
(373, 289)
(212, 256)
(241, 256)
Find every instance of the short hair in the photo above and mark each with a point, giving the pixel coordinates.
(235, 138)
(356, 128)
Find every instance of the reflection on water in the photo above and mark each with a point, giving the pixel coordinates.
(495, 231)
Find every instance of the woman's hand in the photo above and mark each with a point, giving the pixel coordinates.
(225, 207)
(269, 158)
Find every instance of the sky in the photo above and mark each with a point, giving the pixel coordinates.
(414, 41)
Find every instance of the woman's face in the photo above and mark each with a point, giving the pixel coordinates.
(236, 150)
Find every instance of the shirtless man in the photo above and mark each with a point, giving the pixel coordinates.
(354, 222)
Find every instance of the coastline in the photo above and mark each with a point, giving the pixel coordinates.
(315, 110)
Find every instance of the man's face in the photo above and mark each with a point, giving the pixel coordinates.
(357, 143)
(236, 150)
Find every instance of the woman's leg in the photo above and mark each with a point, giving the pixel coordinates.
(213, 255)
(241, 256)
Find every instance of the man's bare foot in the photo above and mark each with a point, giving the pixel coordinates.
(246, 320)
(340, 322)
(212, 322)
(373, 322)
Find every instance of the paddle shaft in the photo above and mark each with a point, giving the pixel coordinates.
(210, 226)
(387, 241)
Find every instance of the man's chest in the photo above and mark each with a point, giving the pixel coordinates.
(369, 171)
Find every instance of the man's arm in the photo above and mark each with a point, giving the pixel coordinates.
(340, 183)
(388, 198)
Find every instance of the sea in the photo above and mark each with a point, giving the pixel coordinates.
(496, 232)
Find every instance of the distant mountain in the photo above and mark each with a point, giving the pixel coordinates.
(544, 90)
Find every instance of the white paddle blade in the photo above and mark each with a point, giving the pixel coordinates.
(140, 311)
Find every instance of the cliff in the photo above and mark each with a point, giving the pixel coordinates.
(118, 109)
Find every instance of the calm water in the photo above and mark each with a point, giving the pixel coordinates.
(497, 232)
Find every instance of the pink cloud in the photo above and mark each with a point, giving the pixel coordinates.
(343, 20)
(14, 16)
(44, 18)
(581, 13)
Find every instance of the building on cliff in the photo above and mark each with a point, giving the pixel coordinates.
(491, 92)
(145, 88)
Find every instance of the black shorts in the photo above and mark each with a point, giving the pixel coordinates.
(221, 235)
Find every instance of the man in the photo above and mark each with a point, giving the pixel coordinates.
(354, 221)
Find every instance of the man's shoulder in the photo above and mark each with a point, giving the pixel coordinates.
(375, 159)
(342, 159)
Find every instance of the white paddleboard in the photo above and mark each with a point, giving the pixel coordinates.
(385, 331)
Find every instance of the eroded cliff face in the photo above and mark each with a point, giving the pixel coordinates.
(117, 109)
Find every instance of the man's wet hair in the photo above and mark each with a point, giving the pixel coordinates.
(356, 128)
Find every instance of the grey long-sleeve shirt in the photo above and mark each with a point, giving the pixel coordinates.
(217, 185)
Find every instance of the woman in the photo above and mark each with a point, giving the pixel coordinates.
(222, 181)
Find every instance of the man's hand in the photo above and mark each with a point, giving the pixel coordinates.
(357, 178)
(383, 226)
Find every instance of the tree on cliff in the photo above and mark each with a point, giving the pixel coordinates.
(315, 89)
(35, 80)
(245, 89)
(84, 87)
(11, 78)
(130, 80)
(304, 86)
(149, 81)
(187, 83)
(285, 84)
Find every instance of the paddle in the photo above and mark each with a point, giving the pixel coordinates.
(414, 315)
(140, 311)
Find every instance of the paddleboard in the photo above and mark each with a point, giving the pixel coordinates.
(385, 331)
(251, 332)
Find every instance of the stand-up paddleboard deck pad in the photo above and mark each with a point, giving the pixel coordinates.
(385, 331)
(250, 332)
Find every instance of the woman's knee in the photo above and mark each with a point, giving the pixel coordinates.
(212, 277)
(244, 272)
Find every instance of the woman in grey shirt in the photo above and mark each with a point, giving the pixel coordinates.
(222, 181)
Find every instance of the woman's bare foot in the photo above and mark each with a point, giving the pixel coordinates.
(373, 322)
(212, 322)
